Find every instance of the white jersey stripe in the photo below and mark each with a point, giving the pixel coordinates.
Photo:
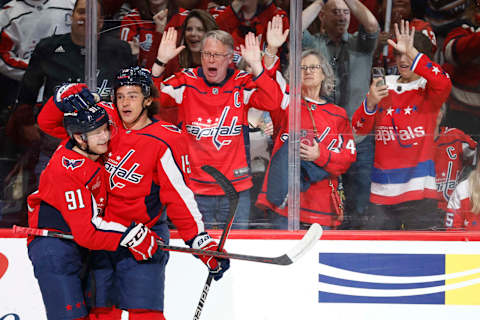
(176, 179)
(103, 225)
(394, 190)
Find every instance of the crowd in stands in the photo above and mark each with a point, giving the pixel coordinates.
(394, 150)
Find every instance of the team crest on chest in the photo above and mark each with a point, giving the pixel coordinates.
(218, 129)
(72, 164)
(119, 171)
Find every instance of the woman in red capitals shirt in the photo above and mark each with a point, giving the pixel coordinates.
(327, 150)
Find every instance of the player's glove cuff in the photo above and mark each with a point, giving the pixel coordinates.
(141, 241)
(216, 266)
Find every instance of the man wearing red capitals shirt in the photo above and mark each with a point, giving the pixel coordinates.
(71, 198)
(213, 102)
(454, 150)
(403, 114)
(145, 183)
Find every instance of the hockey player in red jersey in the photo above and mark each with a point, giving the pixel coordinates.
(403, 115)
(213, 102)
(145, 183)
(454, 150)
(71, 199)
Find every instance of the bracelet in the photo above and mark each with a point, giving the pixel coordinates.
(268, 53)
(159, 63)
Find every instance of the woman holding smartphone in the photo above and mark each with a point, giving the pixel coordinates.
(327, 148)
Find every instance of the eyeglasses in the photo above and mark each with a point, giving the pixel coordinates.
(311, 68)
(214, 55)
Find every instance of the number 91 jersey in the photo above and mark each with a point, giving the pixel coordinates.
(71, 198)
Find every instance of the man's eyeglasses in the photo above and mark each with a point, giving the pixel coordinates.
(214, 55)
(311, 68)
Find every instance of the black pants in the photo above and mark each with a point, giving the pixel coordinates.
(411, 215)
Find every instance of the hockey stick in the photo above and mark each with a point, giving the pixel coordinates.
(232, 196)
(309, 239)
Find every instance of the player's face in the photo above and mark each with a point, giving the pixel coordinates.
(312, 74)
(194, 32)
(98, 139)
(403, 64)
(130, 102)
(335, 17)
(216, 57)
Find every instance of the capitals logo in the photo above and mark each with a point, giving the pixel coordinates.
(72, 164)
(117, 171)
(218, 129)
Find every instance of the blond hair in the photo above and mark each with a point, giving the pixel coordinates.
(474, 183)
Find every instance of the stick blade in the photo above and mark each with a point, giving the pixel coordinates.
(313, 234)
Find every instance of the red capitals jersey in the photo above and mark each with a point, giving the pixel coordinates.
(133, 26)
(215, 118)
(238, 27)
(71, 198)
(453, 150)
(461, 50)
(404, 123)
(143, 170)
(420, 26)
(459, 211)
(337, 153)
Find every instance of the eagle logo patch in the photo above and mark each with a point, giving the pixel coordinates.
(72, 164)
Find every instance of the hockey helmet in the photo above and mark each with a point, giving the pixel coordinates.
(85, 120)
(134, 76)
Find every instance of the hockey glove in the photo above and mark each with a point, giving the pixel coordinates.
(141, 241)
(73, 96)
(216, 266)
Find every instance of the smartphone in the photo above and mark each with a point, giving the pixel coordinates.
(379, 72)
(306, 137)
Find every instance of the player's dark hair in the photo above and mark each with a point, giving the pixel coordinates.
(153, 108)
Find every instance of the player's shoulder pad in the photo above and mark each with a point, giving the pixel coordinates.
(162, 128)
(171, 127)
